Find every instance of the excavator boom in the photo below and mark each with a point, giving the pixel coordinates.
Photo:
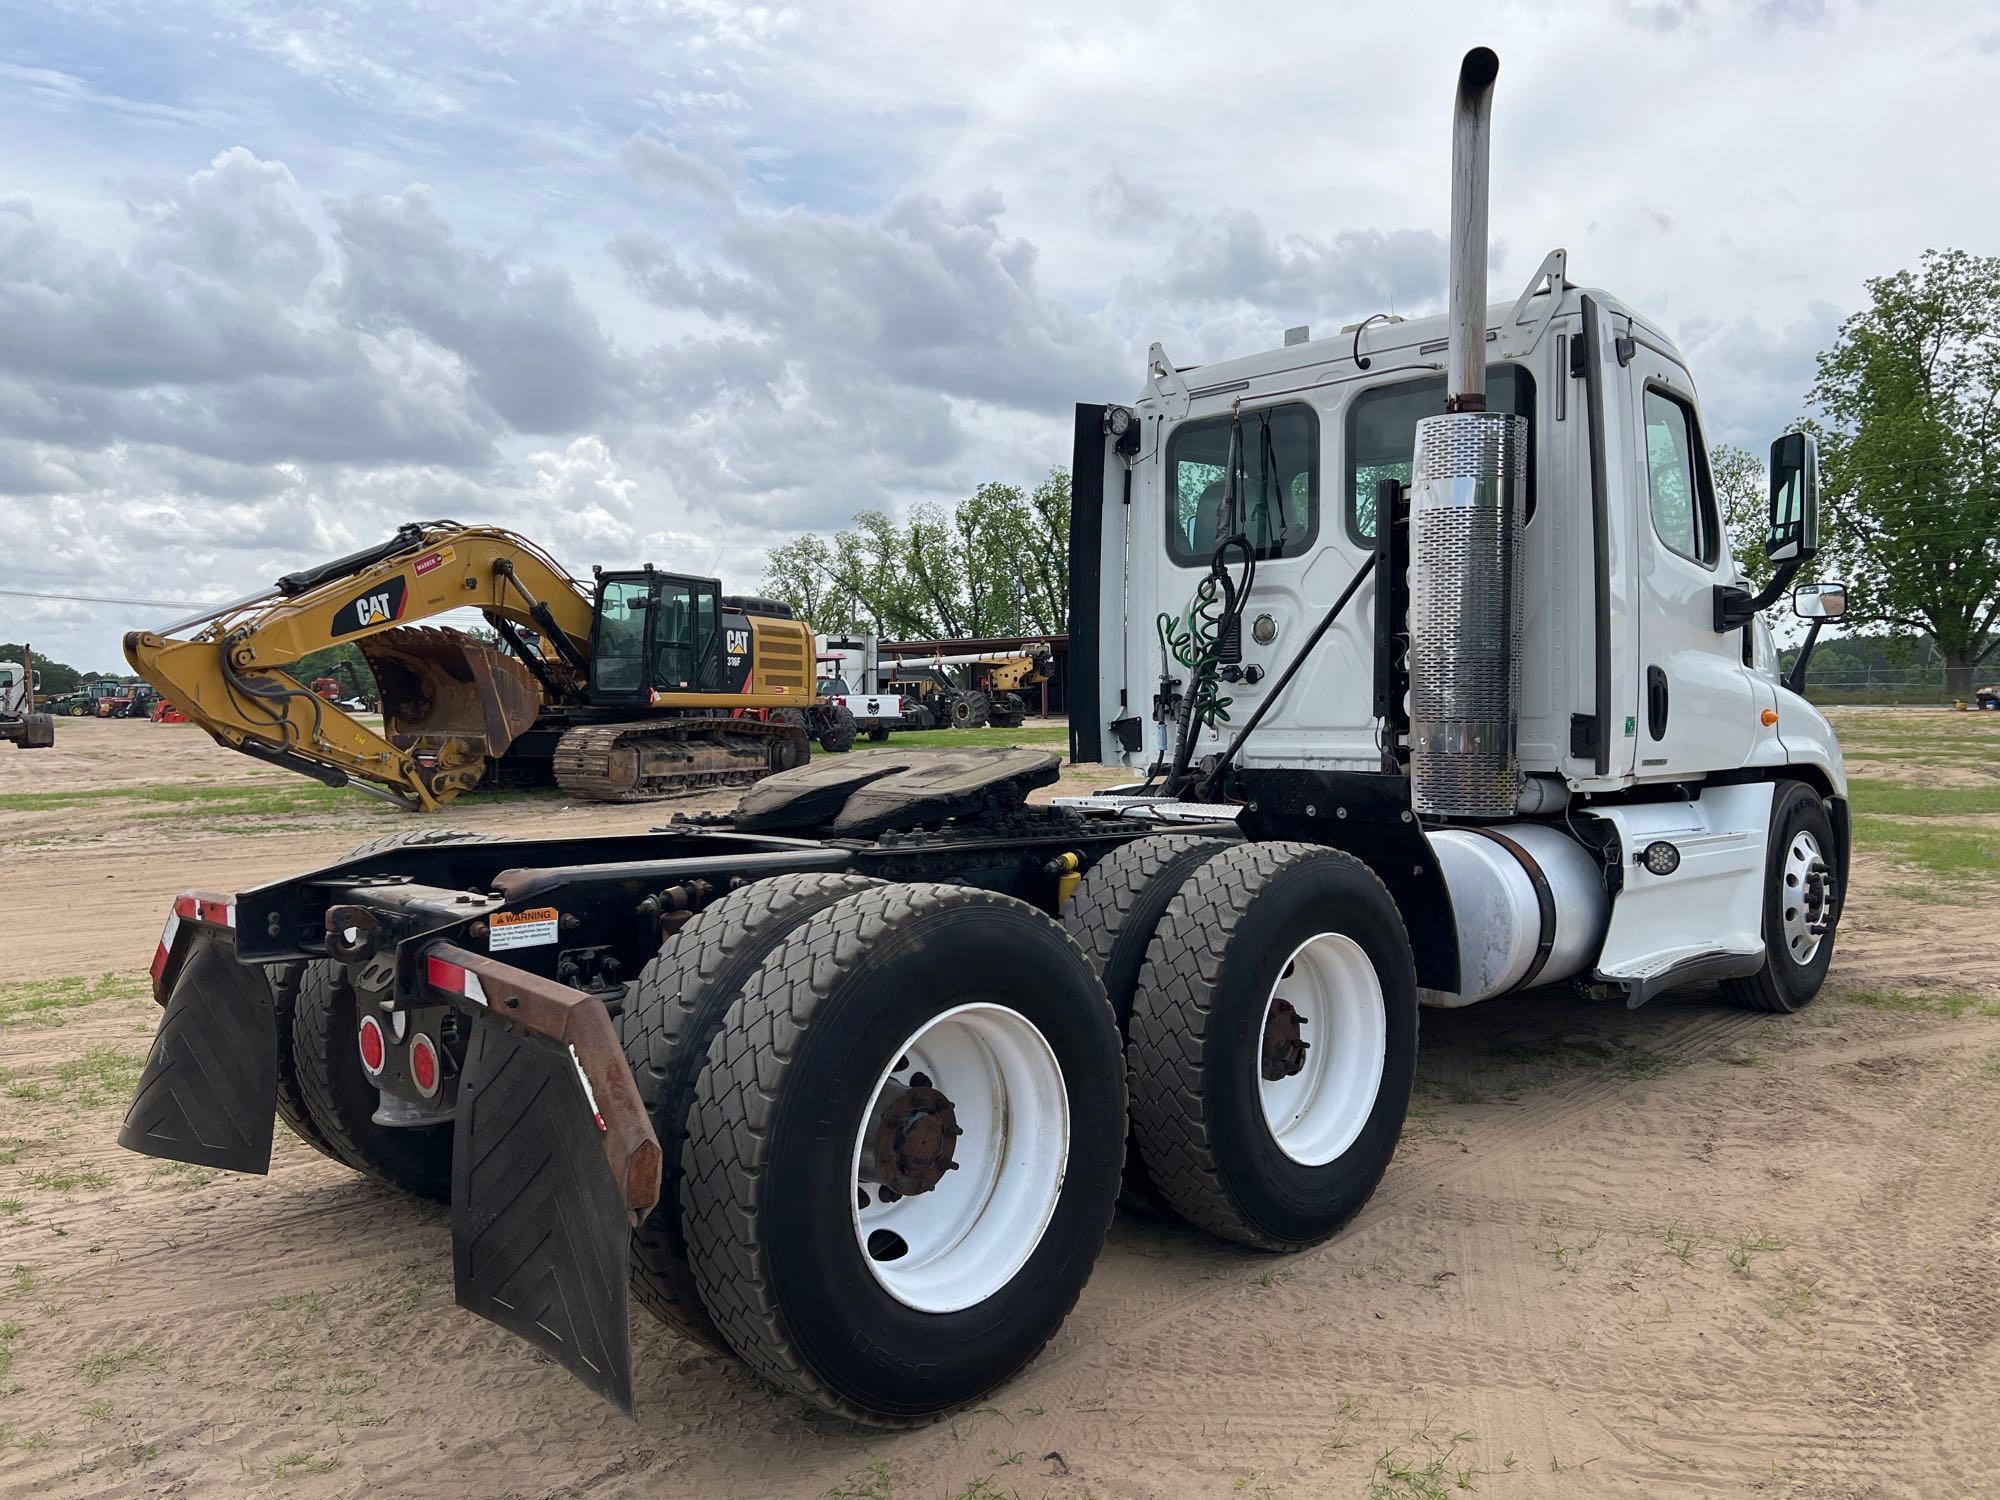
(450, 705)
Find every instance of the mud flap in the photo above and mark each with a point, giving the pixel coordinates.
(209, 1094)
(539, 1230)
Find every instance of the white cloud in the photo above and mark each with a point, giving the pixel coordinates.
(686, 276)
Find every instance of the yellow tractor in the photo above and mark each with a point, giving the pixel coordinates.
(639, 685)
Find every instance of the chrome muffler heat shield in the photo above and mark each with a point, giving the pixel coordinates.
(1467, 503)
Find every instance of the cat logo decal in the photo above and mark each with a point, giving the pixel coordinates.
(379, 606)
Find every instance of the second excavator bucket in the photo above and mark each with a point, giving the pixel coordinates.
(445, 695)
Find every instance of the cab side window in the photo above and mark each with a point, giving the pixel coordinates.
(1682, 497)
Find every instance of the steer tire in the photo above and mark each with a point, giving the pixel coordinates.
(668, 1021)
(341, 1102)
(1112, 916)
(877, 734)
(769, 1195)
(1784, 984)
(1227, 940)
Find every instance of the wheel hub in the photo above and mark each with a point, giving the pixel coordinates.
(1808, 897)
(1285, 1050)
(915, 1133)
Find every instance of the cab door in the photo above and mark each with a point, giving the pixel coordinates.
(1699, 701)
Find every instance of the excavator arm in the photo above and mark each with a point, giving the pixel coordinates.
(450, 705)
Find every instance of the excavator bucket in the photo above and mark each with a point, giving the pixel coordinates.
(444, 695)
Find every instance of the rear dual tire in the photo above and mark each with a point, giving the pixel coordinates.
(891, 1308)
(666, 1027)
(1210, 950)
(323, 1094)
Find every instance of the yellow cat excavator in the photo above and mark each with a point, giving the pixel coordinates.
(641, 684)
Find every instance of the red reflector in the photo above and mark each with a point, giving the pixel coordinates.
(185, 907)
(445, 976)
(216, 912)
(424, 1066)
(373, 1049)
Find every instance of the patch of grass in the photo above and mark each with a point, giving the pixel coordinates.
(1794, 1301)
(293, 1464)
(95, 1369)
(1428, 1466)
(62, 1179)
(871, 1483)
(23, 1278)
(1748, 1247)
(43, 1002)
(1897, 800)
(1989, 1069)
(1953, 1006)
(939, 739)
(203, 801)
(11, 1205)
(102, 1074)
(1639, 1063)
(1680, 1242)
(1953, 854)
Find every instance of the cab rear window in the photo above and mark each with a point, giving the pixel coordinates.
(1382, 435)
(1277, 483)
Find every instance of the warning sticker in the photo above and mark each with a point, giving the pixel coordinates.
(521, 929)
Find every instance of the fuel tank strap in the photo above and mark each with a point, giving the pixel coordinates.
(1545, 901)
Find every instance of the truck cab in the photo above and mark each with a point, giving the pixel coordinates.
(1323, 423)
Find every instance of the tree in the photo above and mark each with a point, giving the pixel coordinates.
(994, 564)
(1743, 492)
(57, 677)
(1908, 403)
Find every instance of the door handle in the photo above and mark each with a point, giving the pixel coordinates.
(1656, 703)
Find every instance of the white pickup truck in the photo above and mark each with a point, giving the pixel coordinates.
(845, 660)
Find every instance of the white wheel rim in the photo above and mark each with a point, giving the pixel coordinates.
(1316, 1113)
(961, 1241)
(1808, 898)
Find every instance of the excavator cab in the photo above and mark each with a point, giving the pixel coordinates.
(653, 633)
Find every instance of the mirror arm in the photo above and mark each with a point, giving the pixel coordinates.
(1735, 606)
(1795, 680)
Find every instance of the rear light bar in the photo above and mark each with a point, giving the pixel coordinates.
(201, 908)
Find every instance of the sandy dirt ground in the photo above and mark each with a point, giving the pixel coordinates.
(1680, 1251)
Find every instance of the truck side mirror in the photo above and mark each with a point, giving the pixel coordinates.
(1819, 601)
(1793, 534)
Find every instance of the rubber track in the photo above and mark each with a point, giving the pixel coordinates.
(312, 1044)
(736, 1102)
(653, 1029)
(582, 756)
(1166, 1046)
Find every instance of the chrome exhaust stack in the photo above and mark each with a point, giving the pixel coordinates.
(1467, 508)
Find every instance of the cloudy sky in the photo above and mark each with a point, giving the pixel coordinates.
(673, 279)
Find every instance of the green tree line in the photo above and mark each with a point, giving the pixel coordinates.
(994, 564)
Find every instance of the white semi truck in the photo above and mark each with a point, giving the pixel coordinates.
(1434, 678)
(20, 722)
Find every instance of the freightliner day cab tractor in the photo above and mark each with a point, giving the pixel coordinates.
(1458, 700)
